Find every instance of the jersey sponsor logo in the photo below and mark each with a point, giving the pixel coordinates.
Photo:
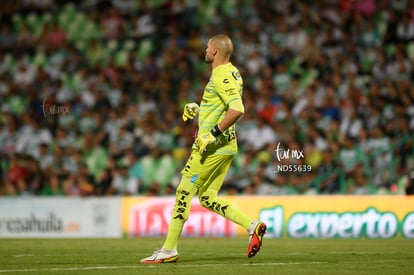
(236, 75)
(213, 205)
(181, 205)
(231, 92)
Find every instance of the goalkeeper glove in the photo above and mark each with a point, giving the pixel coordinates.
(190, 111)
(205, 139)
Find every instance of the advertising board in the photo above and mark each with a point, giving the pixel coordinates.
(60, 217)
(286, 216)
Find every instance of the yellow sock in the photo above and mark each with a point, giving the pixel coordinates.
(211, 201)
(184, 194)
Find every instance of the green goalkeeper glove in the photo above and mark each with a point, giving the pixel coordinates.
(205, 139)
(190, 111)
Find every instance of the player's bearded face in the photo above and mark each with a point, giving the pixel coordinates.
(209, 55)
(209, 59)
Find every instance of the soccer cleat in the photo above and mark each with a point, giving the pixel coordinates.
(255, 238)
(161, 256)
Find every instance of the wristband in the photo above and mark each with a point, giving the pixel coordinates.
(216, 131)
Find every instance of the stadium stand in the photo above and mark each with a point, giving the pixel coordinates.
(92, 93)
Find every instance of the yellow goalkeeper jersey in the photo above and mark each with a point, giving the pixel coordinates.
(225, 85)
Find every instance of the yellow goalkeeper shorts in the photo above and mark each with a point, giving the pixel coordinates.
(207, 170)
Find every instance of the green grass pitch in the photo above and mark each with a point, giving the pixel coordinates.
(207, 256)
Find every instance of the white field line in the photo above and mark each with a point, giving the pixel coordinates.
(66, 268)
(47, 255)
(139, 255)
(139, 266)
(363, 253)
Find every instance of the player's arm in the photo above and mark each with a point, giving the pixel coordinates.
(229, 93)
(234, 112)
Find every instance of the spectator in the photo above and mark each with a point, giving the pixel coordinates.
(52, 187)
(25, 39)
(8, 137)
(121, 142)
(8, 38)
(323, 76)
(53, 36)
(123, 184)
(282, 185)
(350, 155)
(351, 125)
(405, 29)
(86, 181)
(103, 182)
(32, 136)
(144, 24)
(359, 183)
(24, 76)
(260, 136)
(329, 174)
(16, 171)
(44, 157)
(94, 155)
(297, 38)
(409, 187)
(112, 24)
(71, 186)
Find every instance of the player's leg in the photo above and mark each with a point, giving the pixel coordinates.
(184, 194)
(208, 196)
(208, 193)
(168, 253)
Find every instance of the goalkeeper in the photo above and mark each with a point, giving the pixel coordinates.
(212, 152)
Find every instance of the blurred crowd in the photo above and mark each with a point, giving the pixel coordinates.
(92, 94)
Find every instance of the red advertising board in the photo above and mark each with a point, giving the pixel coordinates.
(144, 218)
